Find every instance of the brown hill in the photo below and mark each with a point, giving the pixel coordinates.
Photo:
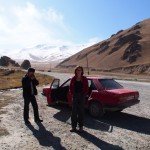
(126, 51)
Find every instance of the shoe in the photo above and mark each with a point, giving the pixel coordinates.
(38, 120)
(80, 130)
(27, 122)
(73, 130)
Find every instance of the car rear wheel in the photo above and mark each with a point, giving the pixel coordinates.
(96, 109)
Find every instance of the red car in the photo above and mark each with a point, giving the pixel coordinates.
(104, 95)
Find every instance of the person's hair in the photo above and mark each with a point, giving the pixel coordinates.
(77, 68)
(31, 70)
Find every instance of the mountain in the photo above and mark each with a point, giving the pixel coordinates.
(126, 51)
(6, 61)
(44, 53)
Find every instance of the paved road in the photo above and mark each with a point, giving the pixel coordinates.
(62, 76)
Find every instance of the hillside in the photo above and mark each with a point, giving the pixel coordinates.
(126, 51)
(6, 61)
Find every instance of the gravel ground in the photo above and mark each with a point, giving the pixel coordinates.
(129, 130)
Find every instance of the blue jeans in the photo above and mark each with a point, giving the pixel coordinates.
(77, 115)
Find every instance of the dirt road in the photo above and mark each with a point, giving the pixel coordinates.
(129, 130)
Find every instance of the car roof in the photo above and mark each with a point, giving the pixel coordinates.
(92, 77)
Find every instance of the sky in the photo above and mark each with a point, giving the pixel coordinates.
(27, 23)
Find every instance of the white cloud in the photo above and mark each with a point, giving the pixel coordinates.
(55, 16)
(23, 26)
(27, 26)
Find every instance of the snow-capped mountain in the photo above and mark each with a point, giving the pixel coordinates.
(44, 53)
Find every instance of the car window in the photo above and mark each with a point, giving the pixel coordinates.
(66, 83)
(55, 84)
(110, 84)
(91, 85)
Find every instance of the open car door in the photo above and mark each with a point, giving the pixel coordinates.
(62, 93)
(53, 87)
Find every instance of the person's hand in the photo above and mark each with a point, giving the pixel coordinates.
(33, 76)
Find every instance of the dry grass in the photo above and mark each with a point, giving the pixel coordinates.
(13, 80)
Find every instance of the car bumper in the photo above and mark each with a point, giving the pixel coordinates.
(121, 106)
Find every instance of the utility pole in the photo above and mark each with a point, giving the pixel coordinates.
(50, 68)
(87, 63)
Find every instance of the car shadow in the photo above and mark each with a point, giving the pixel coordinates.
(108, 121)
(46, 138)
(127, 121)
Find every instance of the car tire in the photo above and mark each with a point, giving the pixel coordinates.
(96, 109)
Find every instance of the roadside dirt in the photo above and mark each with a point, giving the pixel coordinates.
(129, 130)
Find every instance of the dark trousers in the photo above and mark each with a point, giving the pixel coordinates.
(77, 115)
(27, 101)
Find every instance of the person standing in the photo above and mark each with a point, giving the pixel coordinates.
(29, 83)
(78, 90)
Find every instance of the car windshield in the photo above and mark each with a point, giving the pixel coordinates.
(109, 84)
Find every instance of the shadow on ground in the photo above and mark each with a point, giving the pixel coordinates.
(64, 116)
(46, 138)
(106, 123)
(98, 142)
(128, 121)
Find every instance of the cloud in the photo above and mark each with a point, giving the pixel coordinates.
(24, 26)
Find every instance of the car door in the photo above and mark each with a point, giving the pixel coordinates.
(69, 96)
(52, 92)
(62, 93)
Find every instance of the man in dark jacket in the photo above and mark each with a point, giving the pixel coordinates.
(29, 83)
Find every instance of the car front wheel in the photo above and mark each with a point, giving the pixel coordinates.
(96, 109)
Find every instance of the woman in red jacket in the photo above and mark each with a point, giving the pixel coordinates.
(78, 89)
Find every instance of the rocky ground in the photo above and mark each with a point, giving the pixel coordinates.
(129, 130)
